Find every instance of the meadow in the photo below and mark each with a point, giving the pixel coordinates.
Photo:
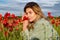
(11, 26)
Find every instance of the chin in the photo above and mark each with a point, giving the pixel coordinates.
(30, 20)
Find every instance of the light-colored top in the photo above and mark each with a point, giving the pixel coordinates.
(43, 30)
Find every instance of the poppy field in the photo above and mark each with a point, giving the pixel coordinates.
(11, 26)
(55, 21)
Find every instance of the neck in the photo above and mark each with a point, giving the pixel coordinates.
(36, 19)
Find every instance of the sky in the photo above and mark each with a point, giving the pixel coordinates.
(17, 6)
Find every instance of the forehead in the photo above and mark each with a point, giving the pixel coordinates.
(28, 10)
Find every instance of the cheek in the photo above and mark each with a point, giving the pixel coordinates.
(32, 17)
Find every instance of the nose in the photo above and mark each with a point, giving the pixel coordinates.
(28, 15)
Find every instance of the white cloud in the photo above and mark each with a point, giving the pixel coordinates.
(46, 2)
(15, 4)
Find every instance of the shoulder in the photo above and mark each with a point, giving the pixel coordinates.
(46, 23)
(42, 21)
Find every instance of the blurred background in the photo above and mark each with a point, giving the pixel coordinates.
(17, 6)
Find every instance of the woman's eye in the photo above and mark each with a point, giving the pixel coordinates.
(26, 13)
(30, 12)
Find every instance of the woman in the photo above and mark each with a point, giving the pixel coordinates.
(37, 27)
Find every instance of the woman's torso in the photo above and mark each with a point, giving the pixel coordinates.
(43, 30)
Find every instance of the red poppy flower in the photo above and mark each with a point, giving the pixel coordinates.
(11, 29)
(14, 25)
(15, 22)
(49, 13)
(6, 33)
(4, 21)
(25, 18)
(7, 14)
(10, 25)
(16, 16)
(51, 17)
(53, 21)
(0, 17)
(13, 15)
(20, 20)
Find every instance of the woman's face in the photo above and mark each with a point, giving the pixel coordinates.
(31, 14)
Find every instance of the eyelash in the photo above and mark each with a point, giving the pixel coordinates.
(29, 12)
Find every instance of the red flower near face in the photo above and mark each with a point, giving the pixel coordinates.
(13, 15)
(0, 17)
(25, 18)
(6, 33)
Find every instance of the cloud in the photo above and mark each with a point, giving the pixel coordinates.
(9, 5)
(44, 2)
(16, 6)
